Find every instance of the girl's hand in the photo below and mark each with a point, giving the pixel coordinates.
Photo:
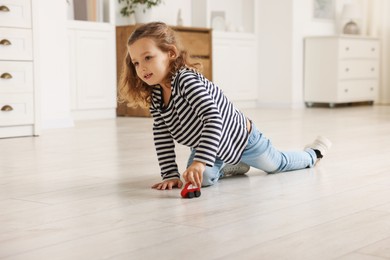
(194, 173)
(169, 184)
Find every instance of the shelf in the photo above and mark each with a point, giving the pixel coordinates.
(236, 14)
(106, 16)
(234, 35)
(345, 36)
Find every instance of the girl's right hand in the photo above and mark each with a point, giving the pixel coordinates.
(169, 184)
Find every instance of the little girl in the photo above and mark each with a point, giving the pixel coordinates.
(188, 108)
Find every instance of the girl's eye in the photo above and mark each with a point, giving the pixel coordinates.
(148, 57)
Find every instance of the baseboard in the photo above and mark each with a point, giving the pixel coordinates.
(94, 114)
(266, 104)
(16, 131)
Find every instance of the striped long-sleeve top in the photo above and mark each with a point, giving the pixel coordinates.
(200, 116)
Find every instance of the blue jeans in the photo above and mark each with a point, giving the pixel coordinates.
(259, 153)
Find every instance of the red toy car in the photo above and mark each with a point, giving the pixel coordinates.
(189, 191)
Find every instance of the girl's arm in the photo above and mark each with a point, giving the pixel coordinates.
(165, 148)
(202, 102)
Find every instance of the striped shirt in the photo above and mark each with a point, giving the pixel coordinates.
(200, 116)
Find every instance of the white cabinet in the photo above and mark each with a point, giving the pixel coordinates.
(19, 103)
(341, 69)
(93, 68)
(235, 65)
(93, 73)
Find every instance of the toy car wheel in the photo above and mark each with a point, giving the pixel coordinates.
(197, 193)
(190, 195)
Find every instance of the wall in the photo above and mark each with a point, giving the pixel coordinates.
(282, 27)
(52, 61)
(384, 92)
(274, 31)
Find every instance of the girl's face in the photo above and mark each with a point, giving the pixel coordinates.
(150, 63)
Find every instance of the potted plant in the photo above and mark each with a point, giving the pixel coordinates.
(140, 8)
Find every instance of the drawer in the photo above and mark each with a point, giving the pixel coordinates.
(15, 13)
(20, 109)
(206, 70)
(358, 69)
(16, 76)
(15, 44)
(196, 43)
(357, 90)
(358, 48)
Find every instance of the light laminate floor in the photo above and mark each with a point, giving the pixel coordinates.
(84, 193)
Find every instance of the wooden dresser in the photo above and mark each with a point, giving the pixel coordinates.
(197, 41)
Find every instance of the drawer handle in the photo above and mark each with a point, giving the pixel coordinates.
(4, 8)
(346, 90)
(7, 108)
(372, 49)
(372, 69)
(5, 42)
(347, 48)
(6, 75)
(346, 69)
(372, 89)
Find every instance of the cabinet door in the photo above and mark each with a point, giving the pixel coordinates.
(94, 69)
(234, 68)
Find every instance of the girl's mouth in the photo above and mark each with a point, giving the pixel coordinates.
(148, 76)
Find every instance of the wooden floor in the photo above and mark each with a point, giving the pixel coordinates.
(84, 193)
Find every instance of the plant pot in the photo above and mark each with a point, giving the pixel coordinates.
(142, 14)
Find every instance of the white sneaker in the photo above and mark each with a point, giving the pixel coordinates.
(322, 144)
(233, 170)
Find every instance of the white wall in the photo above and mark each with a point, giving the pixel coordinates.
(384, 92)
(52, 63)
(282, 27)
(275, 51)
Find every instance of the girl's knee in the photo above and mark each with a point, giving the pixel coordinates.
(207, 183)
(210, 177)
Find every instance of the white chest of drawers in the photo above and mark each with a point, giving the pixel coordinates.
(18, 93)
(342, 69)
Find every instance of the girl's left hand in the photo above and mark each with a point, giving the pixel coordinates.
(194, 173)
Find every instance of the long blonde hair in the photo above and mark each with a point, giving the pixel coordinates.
(131, 88)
